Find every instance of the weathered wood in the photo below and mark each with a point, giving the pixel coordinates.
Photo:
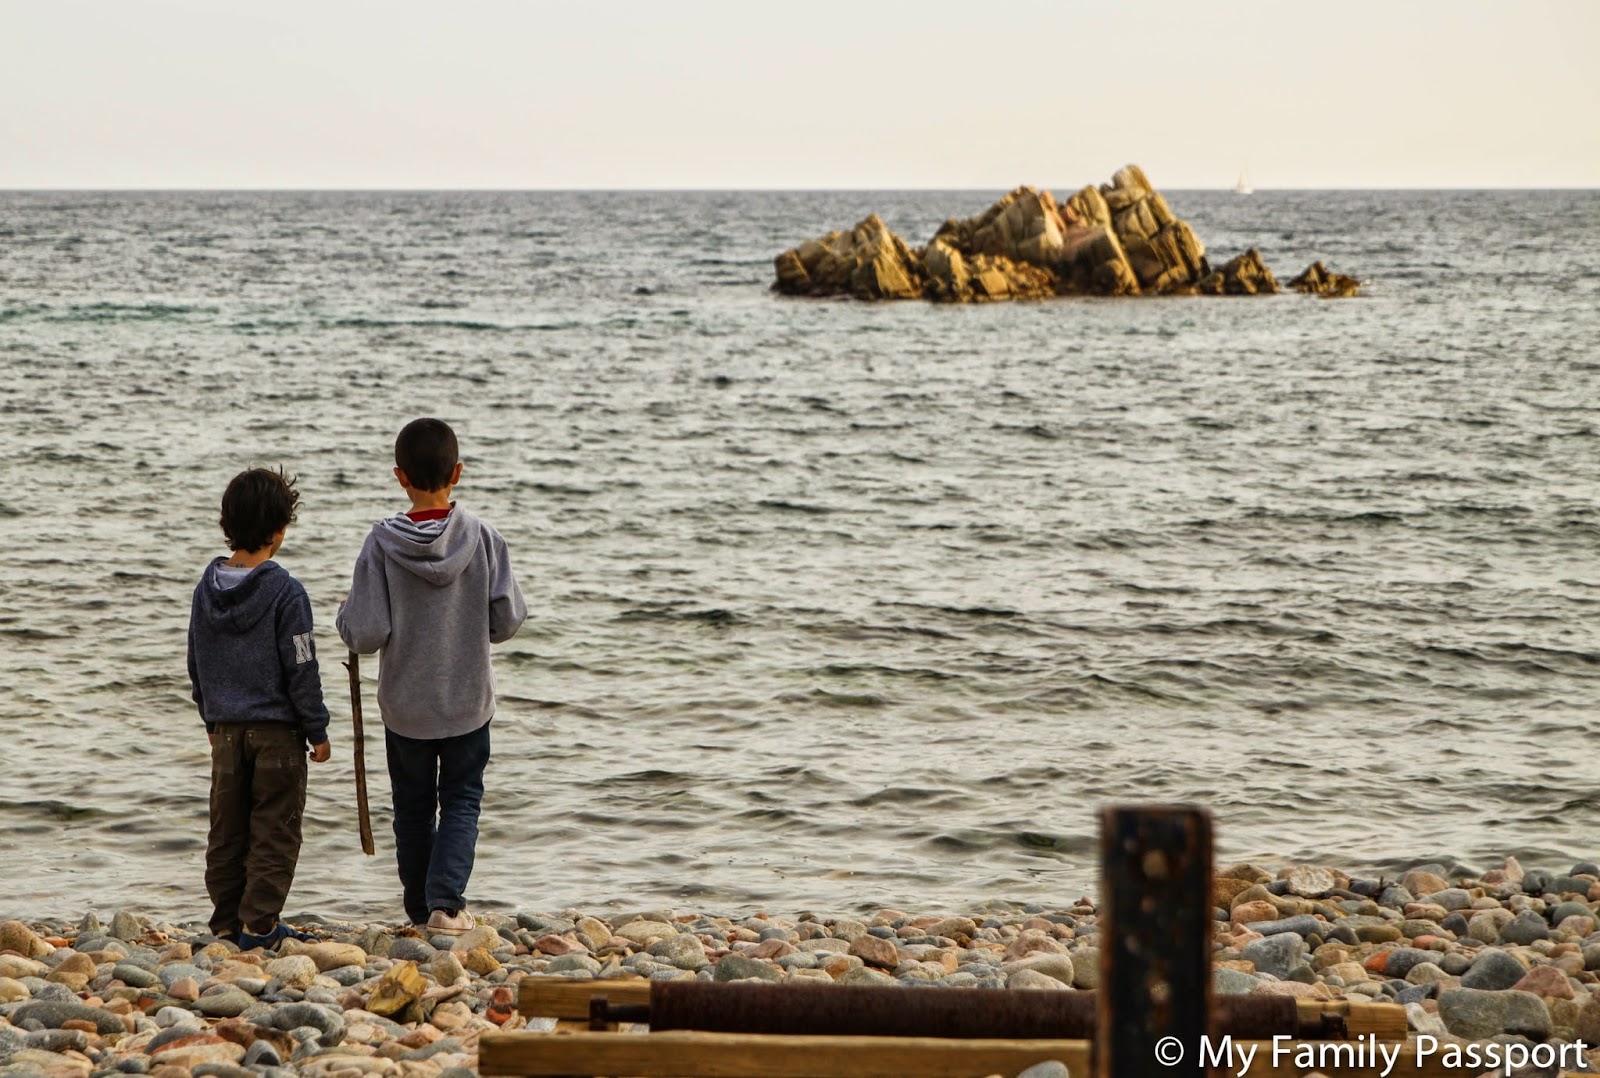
(746, 1055)
(565, 998)
(358, 746)
(562, 997)
(1386, 1021)
(743, 1055)
(1155, 933)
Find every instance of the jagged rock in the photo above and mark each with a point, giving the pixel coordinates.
(949, 277)
(1086, 209)
(998, 277)
(1119, 239)
(1244, 275)
(1024, 226)
(868, 262)
(1093, 261)
(1319, 280)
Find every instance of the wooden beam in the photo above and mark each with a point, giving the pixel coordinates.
(568, 999)
(743, 1055)
(1155, 938)
(746, 1055)
(563, 997)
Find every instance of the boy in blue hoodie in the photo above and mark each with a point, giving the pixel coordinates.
(253, 672)
(433, 589)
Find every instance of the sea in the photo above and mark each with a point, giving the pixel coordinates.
(833, 605)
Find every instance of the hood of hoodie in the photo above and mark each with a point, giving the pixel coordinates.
(437, 551)
(238, 608)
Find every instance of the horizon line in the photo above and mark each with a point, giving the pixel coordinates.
(717, 190)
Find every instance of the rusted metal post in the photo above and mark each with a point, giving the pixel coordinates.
(1155, 941)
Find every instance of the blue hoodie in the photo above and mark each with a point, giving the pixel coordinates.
(431, 597)
(251, 654)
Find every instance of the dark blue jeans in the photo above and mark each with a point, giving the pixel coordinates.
(437, 786)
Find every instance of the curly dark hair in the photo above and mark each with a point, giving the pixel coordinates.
(258, 503)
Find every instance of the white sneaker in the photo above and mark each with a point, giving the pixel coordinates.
(443, 924)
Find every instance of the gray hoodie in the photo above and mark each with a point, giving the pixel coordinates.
(432, 597)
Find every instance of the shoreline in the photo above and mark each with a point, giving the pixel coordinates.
(1512, 955)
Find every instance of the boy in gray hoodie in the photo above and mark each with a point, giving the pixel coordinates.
(253, 673)
(432, 590)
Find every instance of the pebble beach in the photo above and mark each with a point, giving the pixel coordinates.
(1511, 956)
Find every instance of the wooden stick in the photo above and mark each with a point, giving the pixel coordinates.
(745, 1055)
(353, 664)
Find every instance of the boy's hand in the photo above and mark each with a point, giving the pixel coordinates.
(321, 753)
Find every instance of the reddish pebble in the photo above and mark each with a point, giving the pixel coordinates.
(557, 945)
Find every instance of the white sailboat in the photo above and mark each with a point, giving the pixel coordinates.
(1242, 187)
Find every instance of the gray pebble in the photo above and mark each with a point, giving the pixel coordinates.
(173, 972)
(167, 1017)
(1493, 971)
(135, 976)
(1416, 993)
(329, 1022)
(1563, 910)
(58, 1040)
(51, 1013)
(411, 949)
(1050, 1068)
(1402, 959)
(1303, 925)
(569, 963)
(262, 1054)
(1277, 954)
(174, 1033)
(735, 967)
(1477, 1014)
(227, 1003)
(1526, 927)
(125, 926)
(1232, 982)
(1536, 881)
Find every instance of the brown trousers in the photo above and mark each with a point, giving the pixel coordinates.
(258, 796)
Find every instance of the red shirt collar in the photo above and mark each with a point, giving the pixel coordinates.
(419, 515)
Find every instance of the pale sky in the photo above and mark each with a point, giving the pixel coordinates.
(820, 93)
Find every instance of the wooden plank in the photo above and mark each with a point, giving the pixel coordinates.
(1155, 939)
(563, 997)
(741, 1055)
(746, 1055)
(568, 999)
(1386, 1021)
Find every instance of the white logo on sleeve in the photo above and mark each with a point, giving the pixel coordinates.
(303, 652)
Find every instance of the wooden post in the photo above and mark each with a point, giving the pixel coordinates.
(1155, 941)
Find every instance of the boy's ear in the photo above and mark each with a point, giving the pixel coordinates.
(400, 474)
(455, 476)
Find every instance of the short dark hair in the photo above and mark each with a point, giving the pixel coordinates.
(259, 503)
(427, 452)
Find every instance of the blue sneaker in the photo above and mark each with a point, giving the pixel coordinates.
(249, 941)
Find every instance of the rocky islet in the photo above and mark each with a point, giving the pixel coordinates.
(1508, 955)
(1118, 239)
